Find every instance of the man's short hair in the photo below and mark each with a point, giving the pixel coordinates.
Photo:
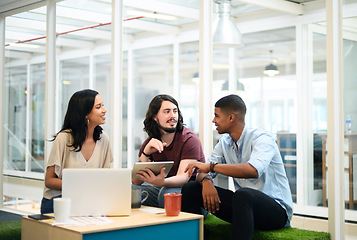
(150, 125)
(232, 104)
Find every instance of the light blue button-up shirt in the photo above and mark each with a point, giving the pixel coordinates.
(258, 148)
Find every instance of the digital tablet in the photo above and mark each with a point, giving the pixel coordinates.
(155, 167)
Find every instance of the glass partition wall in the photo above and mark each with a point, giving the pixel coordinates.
(350, 117)
(24, 110)
(151, 68)
(189, 84)
(319, 114)
(37, 113)
(350, 111)
(16, 118)
(270, 99)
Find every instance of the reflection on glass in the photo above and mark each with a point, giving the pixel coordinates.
(271, 101)
(24, 111)
(350, 115)
(37, 111)
(152, 76)
(350, 85)
(319, 118)
(74, 76)
(15, 118)
(287, 145)
(102, 73)
(189, 85)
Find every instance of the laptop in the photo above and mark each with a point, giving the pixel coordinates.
(98, 191)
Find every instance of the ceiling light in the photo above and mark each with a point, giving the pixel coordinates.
(271, 70)
(226, 33)
(240, 86)
(151, 15)
(219, 66)
(65, 82)
(196, 78)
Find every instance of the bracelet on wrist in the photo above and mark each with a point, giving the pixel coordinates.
(211, 167)
(206, 178)
(146, 155)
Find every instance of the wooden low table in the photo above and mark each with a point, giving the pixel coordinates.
(139, 225)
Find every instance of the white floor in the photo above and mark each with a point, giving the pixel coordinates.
(322, 226)
(31, 207)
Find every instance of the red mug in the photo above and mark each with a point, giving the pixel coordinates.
(172, 204)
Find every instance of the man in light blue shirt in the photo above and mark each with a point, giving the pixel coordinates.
(262, 199)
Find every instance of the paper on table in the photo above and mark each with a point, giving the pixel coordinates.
(152, 210)
(83, 221)
(70, 222)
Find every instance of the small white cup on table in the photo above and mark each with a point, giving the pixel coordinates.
(62, 209)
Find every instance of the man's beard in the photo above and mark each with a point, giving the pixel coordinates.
(168, 130)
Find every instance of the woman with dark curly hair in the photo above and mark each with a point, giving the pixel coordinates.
(81, 143)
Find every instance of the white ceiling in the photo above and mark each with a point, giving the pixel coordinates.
(73, 14)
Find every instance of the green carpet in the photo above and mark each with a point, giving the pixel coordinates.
(10, 230)
(217, 229)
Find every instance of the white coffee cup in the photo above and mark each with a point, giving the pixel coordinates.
(62, 209)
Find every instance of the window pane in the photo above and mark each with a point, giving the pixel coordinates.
(37, 113)
(270, 99)
(83, 26)
(74, 76)
(102, 71)
(152, 76)
(15, 118)
(350, 113)
(319, 116)
(24, 111)
(189, 79)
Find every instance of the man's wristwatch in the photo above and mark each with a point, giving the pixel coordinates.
(206, 177)
(211, 167)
